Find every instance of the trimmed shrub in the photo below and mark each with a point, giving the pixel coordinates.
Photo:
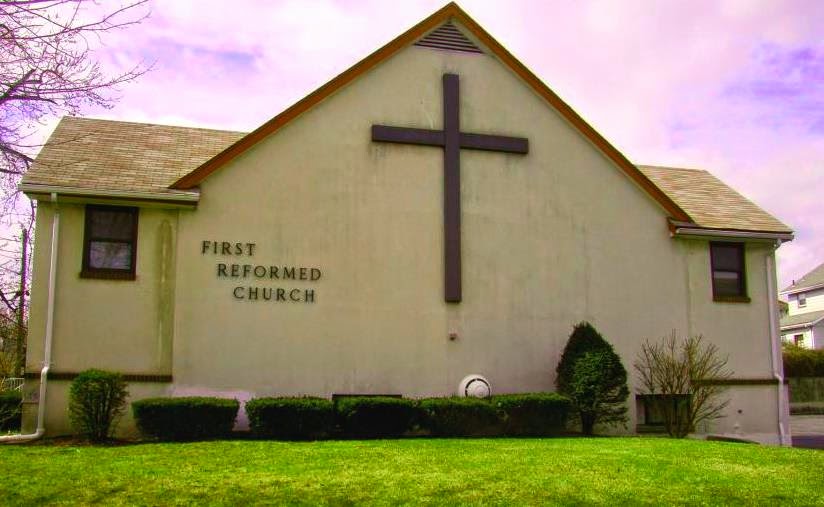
(801, 362)
(376, 417)
(291, 418)
(807, 408)
(460, 417)
(194, 418)
(598, 387)
(96, 402)
(533, 414)
(10, 410)
(806, 389)
(584, 338)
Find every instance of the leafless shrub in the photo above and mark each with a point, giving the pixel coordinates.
(686, 376)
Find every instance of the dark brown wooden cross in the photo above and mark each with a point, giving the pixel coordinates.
(451, 139)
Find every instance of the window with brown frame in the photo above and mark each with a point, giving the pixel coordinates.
(728, 273)
(110, 243)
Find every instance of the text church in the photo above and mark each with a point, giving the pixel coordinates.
(434, 211)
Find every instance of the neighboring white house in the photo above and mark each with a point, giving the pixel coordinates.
(804, 322)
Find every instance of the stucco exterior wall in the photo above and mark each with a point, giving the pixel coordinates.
(112, 324)
(550, 239)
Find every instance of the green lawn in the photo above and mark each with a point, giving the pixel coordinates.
(450, 471)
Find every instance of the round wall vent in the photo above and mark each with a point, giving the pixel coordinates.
(474, 386)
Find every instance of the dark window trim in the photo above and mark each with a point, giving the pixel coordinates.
(742, 296)
(87, 271)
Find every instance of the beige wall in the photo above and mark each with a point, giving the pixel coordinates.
(57, 399)
(113, 324)
(549, 239)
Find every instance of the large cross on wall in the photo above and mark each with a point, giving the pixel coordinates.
(452, 140)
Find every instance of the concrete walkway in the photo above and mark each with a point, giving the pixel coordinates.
(807, 431)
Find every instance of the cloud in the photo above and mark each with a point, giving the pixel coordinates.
(732, 86)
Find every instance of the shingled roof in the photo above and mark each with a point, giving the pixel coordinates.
(709, 202)
(801, 320)
(91, 155)
(814, 278)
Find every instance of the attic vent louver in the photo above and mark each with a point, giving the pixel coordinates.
(450, 38)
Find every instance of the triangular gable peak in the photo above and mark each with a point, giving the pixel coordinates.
(438, 32)
(448, 37)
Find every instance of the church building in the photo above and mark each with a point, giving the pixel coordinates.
(433, 212)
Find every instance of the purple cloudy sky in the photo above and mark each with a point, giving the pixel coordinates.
(736, 86)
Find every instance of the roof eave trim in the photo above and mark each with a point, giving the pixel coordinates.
(802, 289)
(451, 10)
(174, 196)
(704, 232)
(802, 325)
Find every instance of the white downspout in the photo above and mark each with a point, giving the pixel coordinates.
(44, 373)
(775, 346)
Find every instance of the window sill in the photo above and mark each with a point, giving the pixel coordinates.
(108, 275)
(731, 299)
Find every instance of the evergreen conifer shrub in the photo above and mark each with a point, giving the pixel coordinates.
(97, 399)
(597, 387)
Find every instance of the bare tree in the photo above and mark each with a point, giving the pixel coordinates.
(47, 68)
(685, 378)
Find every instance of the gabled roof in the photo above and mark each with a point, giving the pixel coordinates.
(91, 155)
(710, 203)
(102, 155)
(449, 12)
(813, 279)
(802, 320)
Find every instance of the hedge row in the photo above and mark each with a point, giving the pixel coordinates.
(801, 362)
(538, 414)
(384, 417)
(194, 418)
(10, 410)
(291, 418)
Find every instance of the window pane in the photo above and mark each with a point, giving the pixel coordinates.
(726, 283)
(111, 224)
(108, 255)
(726, 258)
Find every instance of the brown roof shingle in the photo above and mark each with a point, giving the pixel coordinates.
(709, 202)
(94, 154)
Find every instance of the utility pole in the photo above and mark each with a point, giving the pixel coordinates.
(21, 330)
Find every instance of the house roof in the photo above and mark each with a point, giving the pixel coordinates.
(710, 203)
(801, 320)
(93, 155)
(813, 279)
(450, 12)
(103, 155)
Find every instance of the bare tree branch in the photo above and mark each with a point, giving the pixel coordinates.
(48, 68)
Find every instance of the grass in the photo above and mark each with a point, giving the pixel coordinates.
(421, 471)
